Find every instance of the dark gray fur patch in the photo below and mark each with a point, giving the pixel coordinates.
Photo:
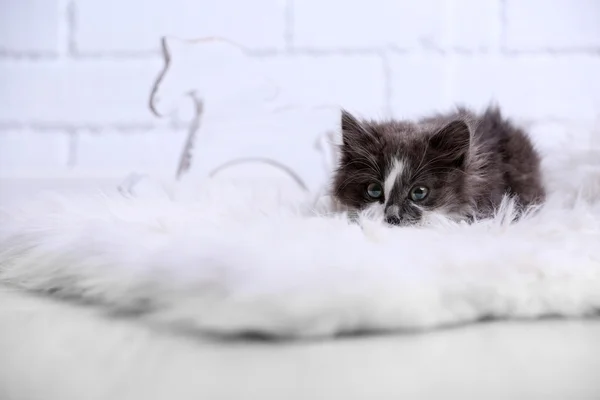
(468, 162)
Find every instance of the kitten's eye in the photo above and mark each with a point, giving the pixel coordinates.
(374, 190)
(419, 193)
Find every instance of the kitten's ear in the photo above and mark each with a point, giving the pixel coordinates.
(453, 140)
(353, 131)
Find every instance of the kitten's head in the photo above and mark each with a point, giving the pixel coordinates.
(407, 169)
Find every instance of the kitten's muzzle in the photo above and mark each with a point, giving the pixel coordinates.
(394, 217)
(393, 220)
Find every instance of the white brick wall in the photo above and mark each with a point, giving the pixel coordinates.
(75, 74)
(116, 153)
(354, 81)
(84, 92)
(539, 25)
(348, 24)
(29, 27)
(107, 27)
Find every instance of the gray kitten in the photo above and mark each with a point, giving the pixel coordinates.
(460, 164)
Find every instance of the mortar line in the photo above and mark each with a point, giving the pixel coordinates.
(288, 30)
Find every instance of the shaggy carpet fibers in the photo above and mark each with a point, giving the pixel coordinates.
(230, 258)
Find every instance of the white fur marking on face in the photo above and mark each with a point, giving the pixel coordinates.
(390, 180)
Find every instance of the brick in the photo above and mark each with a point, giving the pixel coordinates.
(29, 26)
(350, 81)
(556, 24)
(531, 87)
(26, 151)
(366, 24)
(82, 93)
(111, 153)
(418, 85)
(474, 24)
(137, 25)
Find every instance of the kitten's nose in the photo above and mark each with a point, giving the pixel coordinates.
(392, 215)
(392, 220)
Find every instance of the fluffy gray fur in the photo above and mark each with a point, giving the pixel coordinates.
(465, 161)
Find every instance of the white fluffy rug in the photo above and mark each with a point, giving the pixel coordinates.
(229, 258)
